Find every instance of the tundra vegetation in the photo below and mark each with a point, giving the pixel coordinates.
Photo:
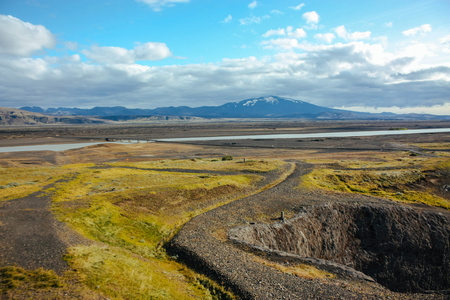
(397, 176)
(129, 209)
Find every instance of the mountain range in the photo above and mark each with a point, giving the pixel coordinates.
(262, 107)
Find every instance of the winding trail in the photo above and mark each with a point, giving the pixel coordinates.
(29, 234)
(202, 244)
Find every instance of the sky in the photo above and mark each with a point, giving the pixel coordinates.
(374, 56)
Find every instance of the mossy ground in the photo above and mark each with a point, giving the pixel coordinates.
(20, 182)
(131, 211)
(131, 207)
(396, 176)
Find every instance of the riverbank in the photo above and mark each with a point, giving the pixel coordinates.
(37, 135)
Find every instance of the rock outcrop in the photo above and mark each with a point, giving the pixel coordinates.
(404, 249)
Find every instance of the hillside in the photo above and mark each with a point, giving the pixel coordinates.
(12, 116)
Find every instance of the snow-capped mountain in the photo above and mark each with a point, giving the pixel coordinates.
(262, 107)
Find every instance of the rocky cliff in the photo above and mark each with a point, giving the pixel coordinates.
(404, 249)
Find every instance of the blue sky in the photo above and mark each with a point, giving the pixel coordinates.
(363, 55)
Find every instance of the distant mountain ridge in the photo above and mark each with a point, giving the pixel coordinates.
(13, 116)
(262, 107)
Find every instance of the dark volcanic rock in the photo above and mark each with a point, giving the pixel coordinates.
(404, 249)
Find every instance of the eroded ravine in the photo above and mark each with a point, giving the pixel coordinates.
(404, 249)
(199, 245)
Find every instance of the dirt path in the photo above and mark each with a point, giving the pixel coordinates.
(29, 236)
(202, 244)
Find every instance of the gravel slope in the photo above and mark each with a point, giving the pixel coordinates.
(201, 244)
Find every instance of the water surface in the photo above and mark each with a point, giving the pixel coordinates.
(63, 147)
(308, 135)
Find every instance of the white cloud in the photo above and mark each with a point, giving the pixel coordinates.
(253, 4)
(118, 55)
(157, 5)
(421, 29)
(443, 110)
(151, 51)
(282, 43)
(297, 33)
(445, 43)
(298, 7)
(109, 55)
(311, 17)
(271, 32)
(227, 19)
(327, 37)
(289, 31)
(346, 74)
(357, 35)
(276, 12)
(389, 24)
(252, 20)
(21, 38)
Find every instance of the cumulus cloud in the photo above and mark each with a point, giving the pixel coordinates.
(421, 29)
(297, 33)
(445, 43)
(253, 4)
(157, 5)
(326, 37)
(21, 38)
(311, 17)
(118, 55)
(289, 31)
(346, 74)
(341, 31)
(282, 43)
(151, 51)
(271, 32)
(298, 7)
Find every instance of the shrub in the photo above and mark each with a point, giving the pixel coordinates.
(227, 157)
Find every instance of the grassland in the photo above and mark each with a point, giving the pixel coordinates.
(397, 176)
(130, 209)
(20, 182)
(132, 204)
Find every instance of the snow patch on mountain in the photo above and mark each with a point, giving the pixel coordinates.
(268, 100)
(271, 100)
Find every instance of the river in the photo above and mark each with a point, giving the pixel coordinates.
(63, 147)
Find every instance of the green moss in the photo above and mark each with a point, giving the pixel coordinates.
(392, 184)
(12, 277)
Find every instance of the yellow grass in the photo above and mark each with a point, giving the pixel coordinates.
(389, 179)
(119, 274)
(213, 164)
(300, 270)
(133, 211)
(21, 182)
(436, 146)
